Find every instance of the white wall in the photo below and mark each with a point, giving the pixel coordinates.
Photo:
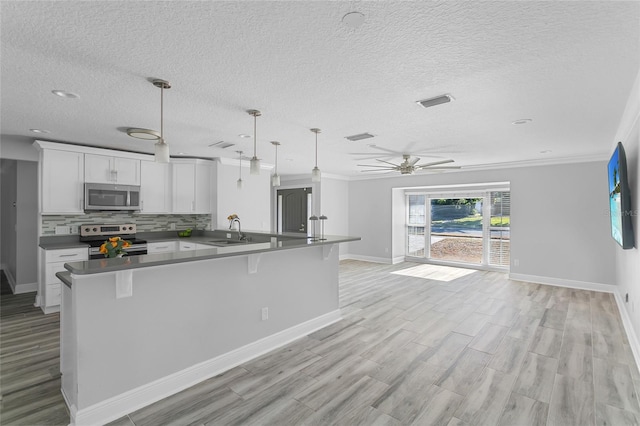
(334, 203)
(8, 195)
(252, 203)
(559, 230)
(19, 218)
(628, 261)
(18, 148)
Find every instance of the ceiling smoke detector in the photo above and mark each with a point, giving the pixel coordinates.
(359, 137)
(442, 99)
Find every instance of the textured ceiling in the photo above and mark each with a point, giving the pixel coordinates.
(569, 66)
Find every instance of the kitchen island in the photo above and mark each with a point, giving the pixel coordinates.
(137, 329)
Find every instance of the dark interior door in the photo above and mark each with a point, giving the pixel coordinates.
(294, 209)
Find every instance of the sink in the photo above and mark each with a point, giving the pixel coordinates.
(222, 243)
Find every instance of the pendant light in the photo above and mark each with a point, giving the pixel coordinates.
(255, 161)
(275, 179)
(161, 147)
(315, 173)
(239, 181)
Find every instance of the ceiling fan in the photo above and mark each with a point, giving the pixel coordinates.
(390, 153)
(408, 166)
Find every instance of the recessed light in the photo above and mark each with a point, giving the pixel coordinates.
(242, 135)
(146, 134)
(65, 94)
(353, 19)
(522, 121)
(442, 99)
(181, 153)
(39, 131)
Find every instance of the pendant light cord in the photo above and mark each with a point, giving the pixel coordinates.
(255, 119)
(316, 149)
(162, 113)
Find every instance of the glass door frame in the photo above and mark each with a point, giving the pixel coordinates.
(485, 194)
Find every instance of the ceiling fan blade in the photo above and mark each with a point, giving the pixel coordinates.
(438, 168)
(435, 163)
(379, 170)
(375, 165)
(387, 150)
(382, 161)
(414, 161)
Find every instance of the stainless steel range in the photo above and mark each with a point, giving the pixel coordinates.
(95, 235)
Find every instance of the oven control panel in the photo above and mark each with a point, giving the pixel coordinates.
(92, 229)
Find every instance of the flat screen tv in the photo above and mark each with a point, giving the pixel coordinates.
(620, 199)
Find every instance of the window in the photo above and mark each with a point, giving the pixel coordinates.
(468, 227)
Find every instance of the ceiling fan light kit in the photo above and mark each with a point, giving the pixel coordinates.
(408, 166)
(442, 99)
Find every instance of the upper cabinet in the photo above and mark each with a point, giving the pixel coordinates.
(192, 186)
(61, 182)
(107, 169)
(155, 187)
(184, 186)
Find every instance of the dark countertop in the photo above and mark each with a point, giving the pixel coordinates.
(65, 277)
(260, 243)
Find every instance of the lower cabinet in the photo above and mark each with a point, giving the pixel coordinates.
(162, 247)
(173, 246)
(52, 262)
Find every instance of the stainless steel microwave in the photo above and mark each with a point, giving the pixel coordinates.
(108, 196)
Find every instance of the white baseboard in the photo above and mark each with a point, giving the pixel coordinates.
(561, 282)
(50, 309)
(397, 259)
(634, 343)
(119, 405)
(11, 279)
(25, 288)
(373, 259)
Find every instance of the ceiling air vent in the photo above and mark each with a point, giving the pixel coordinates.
(359, 137)
(443, 99)
(221, 145)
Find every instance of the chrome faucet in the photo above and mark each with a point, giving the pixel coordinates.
(241, 236)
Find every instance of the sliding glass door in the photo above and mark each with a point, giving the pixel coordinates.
(456, 229)
(469, 228)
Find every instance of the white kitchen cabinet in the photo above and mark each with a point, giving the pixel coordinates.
(52, 262)
(185, 246)
(155, 187)
(192, 186)
(162, 247)
(61, 182)
(107, 169)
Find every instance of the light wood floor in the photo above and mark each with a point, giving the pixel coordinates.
(29, 363)
(426, 345)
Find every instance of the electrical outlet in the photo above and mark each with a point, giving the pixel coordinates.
(73, 229)
(62, 230)
(228, 235)
(516, 262)
(172, 226)
(265, 314)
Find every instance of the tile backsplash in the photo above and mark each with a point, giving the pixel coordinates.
(145, 223)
